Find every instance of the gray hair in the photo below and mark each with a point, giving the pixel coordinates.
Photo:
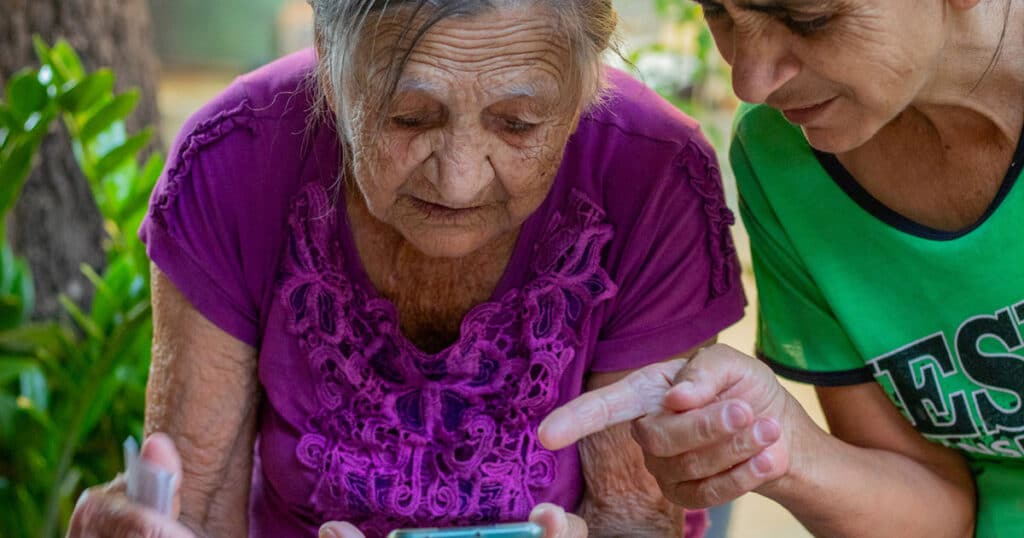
(340, 28)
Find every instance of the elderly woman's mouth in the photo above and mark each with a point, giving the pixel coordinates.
(446, 214)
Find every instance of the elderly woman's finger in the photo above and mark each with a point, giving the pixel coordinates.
(339, 529)
(100, 513)
(636, 395)
(557, 523)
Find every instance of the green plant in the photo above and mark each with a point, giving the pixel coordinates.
(68, 395)
(684, 67)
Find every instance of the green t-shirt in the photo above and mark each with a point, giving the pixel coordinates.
(851, 291)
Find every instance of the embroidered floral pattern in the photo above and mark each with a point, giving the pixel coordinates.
(705, 177)
(405, 438)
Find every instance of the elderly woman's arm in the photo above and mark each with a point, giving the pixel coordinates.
(622, 497)
(203, 393)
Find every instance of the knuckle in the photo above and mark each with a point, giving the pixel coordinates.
(653, 439)
(691, 465)
(708, 493)
(705, 428)
(740, 445)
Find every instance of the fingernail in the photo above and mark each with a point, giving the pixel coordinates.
(684, 386)
(327, 532)
(766, 431)
(81, 498)
(762, 463)
(735, 417)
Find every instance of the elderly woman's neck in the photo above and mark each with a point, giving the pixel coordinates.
(981, 68)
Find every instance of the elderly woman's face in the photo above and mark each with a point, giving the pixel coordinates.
(841, 69)
(474, 134)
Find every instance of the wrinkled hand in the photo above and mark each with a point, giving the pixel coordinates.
(553, 519)
(339, 529)
(106, 511)
(557, 523)
(711, 428)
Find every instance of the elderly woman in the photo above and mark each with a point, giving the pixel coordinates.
(363, 315)
(878, 179)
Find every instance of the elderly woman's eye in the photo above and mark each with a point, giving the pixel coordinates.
(408, 122)
(806, 27)
(517, 126)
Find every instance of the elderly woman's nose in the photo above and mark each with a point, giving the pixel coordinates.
(761, 64)
(465, 171)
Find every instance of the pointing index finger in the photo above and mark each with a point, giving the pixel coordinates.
(638, 394)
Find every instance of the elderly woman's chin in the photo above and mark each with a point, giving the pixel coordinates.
(453, 240)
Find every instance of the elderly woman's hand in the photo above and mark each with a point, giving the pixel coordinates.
(106, 511)
(557, 523)
(552, 518)
(711, 428)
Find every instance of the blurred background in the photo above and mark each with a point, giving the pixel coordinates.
(88, 111)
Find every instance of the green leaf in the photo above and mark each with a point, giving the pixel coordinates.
(88, 325)
(66, 61)
(12, 366)
(33, 337)
(33, 387)
(81, 96)
(116, 110)
(42, 49)
(14, 170)
(25, 95)
(120, 154)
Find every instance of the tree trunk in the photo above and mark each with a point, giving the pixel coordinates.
(56, 224)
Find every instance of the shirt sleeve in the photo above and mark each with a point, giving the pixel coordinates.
(200, 216)
(678, 274)
(797, 333)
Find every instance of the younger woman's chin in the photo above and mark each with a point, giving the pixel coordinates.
(834, 140)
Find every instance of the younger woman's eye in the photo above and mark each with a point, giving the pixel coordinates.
(806, 27)
(712, 10)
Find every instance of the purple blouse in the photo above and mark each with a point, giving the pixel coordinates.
(628, 261)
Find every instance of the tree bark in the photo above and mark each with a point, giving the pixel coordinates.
(56, 224)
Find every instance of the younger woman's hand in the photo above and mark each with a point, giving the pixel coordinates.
(712, 428)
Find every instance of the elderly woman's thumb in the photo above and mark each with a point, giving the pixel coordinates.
(158, 450)
(338, 529)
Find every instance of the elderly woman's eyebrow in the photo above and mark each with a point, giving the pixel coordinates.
(514, 91)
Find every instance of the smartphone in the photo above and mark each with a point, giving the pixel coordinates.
(504, 530)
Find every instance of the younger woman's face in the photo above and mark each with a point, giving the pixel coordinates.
(840, 69)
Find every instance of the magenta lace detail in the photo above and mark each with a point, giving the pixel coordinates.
(705, 177)
(404, 438)
(202, 135)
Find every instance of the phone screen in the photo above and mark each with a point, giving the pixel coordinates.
(504, 530)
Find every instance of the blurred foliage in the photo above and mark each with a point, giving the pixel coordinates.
(70, 393)
(684, 66)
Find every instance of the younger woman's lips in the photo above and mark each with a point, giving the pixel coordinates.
(805, 115)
